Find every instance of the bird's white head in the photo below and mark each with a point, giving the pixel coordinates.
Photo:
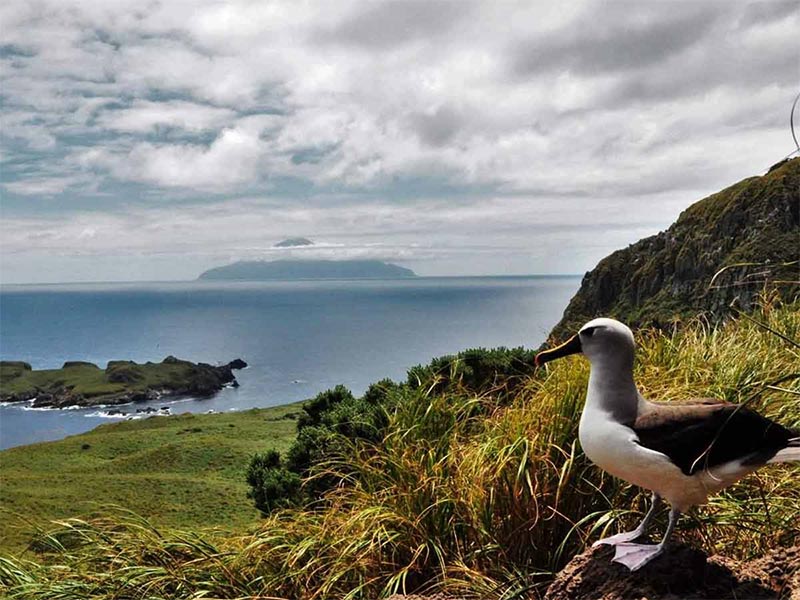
(601, 340)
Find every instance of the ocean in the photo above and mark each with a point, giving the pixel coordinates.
(299, 338)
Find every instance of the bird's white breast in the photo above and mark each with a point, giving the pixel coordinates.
(613, 447)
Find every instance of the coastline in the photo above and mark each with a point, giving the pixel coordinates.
(301, 338)
(80, 384)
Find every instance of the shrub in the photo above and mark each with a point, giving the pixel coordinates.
(334, 418)
(501, 371)
(271, 484)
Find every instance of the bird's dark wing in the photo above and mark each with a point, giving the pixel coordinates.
(706, 433)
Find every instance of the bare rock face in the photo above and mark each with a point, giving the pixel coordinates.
(682, 573)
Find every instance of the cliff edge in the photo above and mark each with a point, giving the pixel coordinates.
(752, 228)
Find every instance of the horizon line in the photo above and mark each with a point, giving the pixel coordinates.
(216, 281)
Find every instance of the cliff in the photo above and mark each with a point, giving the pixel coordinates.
(751, 230)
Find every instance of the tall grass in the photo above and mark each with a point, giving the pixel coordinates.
(466, 494)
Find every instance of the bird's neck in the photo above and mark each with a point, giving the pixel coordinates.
(613, 390)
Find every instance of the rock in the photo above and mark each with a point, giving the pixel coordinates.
(42, 400)
(683, 572)
(15, 364)
(123, 372)
(237, 363)
(60, 398)
(117, 363)
(19, 396)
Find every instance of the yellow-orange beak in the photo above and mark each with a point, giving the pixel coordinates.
(571, 346)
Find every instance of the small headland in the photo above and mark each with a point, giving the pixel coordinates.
(79, 383)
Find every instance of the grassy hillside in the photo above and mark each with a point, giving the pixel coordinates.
(752, 229)
(471, 492)
(88, 379)
(180, 471)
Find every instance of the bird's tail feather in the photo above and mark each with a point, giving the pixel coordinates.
(789, 454)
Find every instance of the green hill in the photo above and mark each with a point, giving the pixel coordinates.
(752, 227)
(185, 470)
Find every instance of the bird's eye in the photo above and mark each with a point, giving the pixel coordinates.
(589, 331)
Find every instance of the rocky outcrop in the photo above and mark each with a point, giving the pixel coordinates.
(78, 363)
(683, 572)
(749, 231)
(84, 384)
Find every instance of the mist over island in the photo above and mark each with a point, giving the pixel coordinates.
(289, 269)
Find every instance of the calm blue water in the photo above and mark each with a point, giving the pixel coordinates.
(299, 337)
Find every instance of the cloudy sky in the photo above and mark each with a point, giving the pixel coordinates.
(151, 140)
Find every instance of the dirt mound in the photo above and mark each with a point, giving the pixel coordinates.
(682, 573)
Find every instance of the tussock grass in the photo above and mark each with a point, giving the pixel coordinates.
(467, 494)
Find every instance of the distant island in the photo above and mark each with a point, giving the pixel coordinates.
(294, 242)
(307, 269)
(79, 383)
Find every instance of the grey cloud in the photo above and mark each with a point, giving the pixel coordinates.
(312, 155)
(14, 50)
(767, 11)
(641, 36)
(386, 114)
(438, 128)
(393, 22)
(732, 67)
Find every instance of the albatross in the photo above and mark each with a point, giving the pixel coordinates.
(681, 452)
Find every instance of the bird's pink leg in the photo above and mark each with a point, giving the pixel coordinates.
(640, 530)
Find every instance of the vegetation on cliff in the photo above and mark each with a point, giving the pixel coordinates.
(85, 384)
(751, 230)
(466, 490)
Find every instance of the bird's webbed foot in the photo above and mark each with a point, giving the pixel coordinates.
(635, 556)
(620, 538)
